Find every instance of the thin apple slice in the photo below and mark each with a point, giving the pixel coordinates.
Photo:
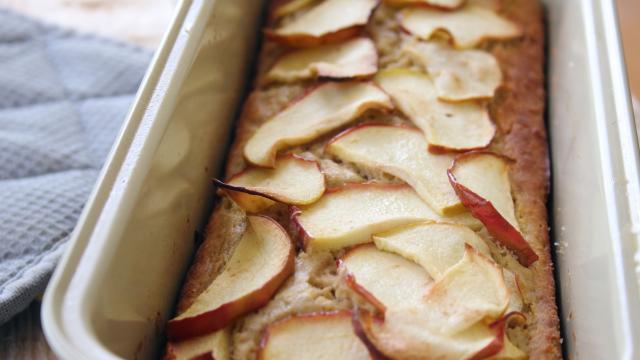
(447, 127)
(325, 335)
(261, 262)
(481, 180)
(434, 246)
(400, 151)
(210, 346)
(516, 301)
(467, 27)
(375, 275)
(403, 334)
(329, 21)
(293, 181)
(458, 75)
(326, 108)
(509, 351)
(352, 59)
(350, 215)
(439, 4)
(287, 7)
(472, 290)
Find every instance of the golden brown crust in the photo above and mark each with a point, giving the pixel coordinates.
(517, 109)
(519, 113)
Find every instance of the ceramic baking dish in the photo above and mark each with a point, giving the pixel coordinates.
(117, 283)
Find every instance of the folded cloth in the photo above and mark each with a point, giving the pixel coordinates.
(63, 96)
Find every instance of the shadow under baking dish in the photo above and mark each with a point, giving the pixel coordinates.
(117, 284)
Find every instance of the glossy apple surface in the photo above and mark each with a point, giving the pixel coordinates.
(481, 180)
(261, 262)
(401, 152)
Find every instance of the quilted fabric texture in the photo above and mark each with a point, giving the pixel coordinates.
(63, 96)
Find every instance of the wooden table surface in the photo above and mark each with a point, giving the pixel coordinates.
(143, 22)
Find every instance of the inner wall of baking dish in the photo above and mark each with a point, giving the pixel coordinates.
(140, 278)
(137, 294)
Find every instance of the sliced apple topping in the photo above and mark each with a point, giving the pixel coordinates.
(293, 181)
(327, 335)
(458, 75)
(210, 346)
(516, 301)
(261, 262)
(287, 7)
(440, 4)
(326, 108)
(481, 180)
(452, 127)
(467, 27)
(352, 59)
(434, 246)
(376, 275)
(350, 215)
(404, 334)
(329, 21)
(401, 152)
(472, 290)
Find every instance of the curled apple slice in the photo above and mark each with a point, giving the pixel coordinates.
(352, 59)
(326, 108)
(481, 180)
(458, 75)
(261, 262)
(400, 151)
(440, 4)
(434, 246)
(374, 275)
(472, 290)
(215, 346)
(468, 26)
(324, 335)
(516, 301)
(403, 335)
(293, 180)
(329, 21)
(447, 127)
(350, 215)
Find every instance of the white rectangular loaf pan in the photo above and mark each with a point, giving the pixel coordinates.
(116, 285)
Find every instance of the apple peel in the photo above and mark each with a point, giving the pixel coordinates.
(438, 4)
(214, 346)
(467, 27)
(330, 21)
(497, 190)
(355, 58)
(294, 180)
(325, 108)
(261, 262)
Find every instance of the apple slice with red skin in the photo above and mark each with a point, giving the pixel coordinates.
(293, 181)
(321, 110)
(329, 21)
(351, 214)
(481, 180)
(214, 346)
(371, 272)
(323, 335)
(262, 261)
(356, 58)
